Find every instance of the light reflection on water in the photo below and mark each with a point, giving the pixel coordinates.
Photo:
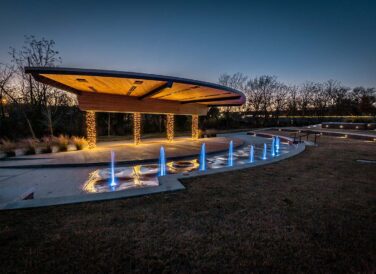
(140, 176)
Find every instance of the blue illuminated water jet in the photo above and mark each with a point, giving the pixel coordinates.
(273, 146)
(113, 181)
(277, 143)
(264, 152)
(203, 157)
(252, 154)
(230, 154)
(162, 162)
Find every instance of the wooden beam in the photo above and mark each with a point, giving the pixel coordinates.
(156, 90)
(53, 83)
(211, 100)
(119, 103)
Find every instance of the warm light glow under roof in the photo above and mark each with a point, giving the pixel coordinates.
(103, 90)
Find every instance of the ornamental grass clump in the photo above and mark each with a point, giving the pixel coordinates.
(48, 143)
(63, 142)
(80, 142)
(30, 145)
(8, 147)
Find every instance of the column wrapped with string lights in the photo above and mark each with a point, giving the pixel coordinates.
(91, 131)
(137, 127)
(170, 127)
(195, 126)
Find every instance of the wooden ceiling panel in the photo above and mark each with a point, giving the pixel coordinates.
(109, 85)
(137, 86)
(183, 92)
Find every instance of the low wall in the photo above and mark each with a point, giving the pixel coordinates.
(268, 135)
(350, 135)
(356, 126)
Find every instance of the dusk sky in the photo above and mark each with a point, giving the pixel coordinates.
(293, 40)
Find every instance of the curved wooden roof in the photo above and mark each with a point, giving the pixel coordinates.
(132, 86)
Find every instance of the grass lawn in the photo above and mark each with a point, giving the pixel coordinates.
(311, 213)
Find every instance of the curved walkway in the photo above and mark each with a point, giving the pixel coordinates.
(55, 186)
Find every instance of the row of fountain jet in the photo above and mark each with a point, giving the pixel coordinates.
(162, 170)
(230, 159)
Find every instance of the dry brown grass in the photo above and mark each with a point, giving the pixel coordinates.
(312, 213)
(80, 142)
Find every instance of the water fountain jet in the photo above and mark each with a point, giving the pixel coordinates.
(113, 181)
(277, 144)
(264, 152)
(230, 154)
(162, 162)
(203, 158)
(252, 154)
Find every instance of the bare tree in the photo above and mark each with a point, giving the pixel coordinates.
(236, 81)
(292, 100)
(260, 92)
(336, 95)
(365, 100)
(9, 91)
(42, 98)
(6, 74)
(306, 97)
(319, 98)
(280, 98)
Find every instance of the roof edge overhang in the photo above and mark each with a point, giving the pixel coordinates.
(37, 71)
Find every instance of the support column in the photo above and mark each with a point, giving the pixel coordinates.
(137, 128)
(170, 127)
(195, 126)
(91, 131)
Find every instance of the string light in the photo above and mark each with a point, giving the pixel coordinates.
(195, 126)
(170, 127)
(137, 127)
(91, 131)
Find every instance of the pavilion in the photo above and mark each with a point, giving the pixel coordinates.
(130, 92)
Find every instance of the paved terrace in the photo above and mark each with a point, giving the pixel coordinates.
(126, 152)
(62, 185)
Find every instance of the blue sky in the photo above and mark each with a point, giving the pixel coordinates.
(293, 40)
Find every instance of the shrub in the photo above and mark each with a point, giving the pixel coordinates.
(48, 142)
(200, 134)
(211, 133)
(80, 142)
(63, 142)
(30, 144)
(8, 147)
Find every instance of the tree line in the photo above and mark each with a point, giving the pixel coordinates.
(268, 98)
